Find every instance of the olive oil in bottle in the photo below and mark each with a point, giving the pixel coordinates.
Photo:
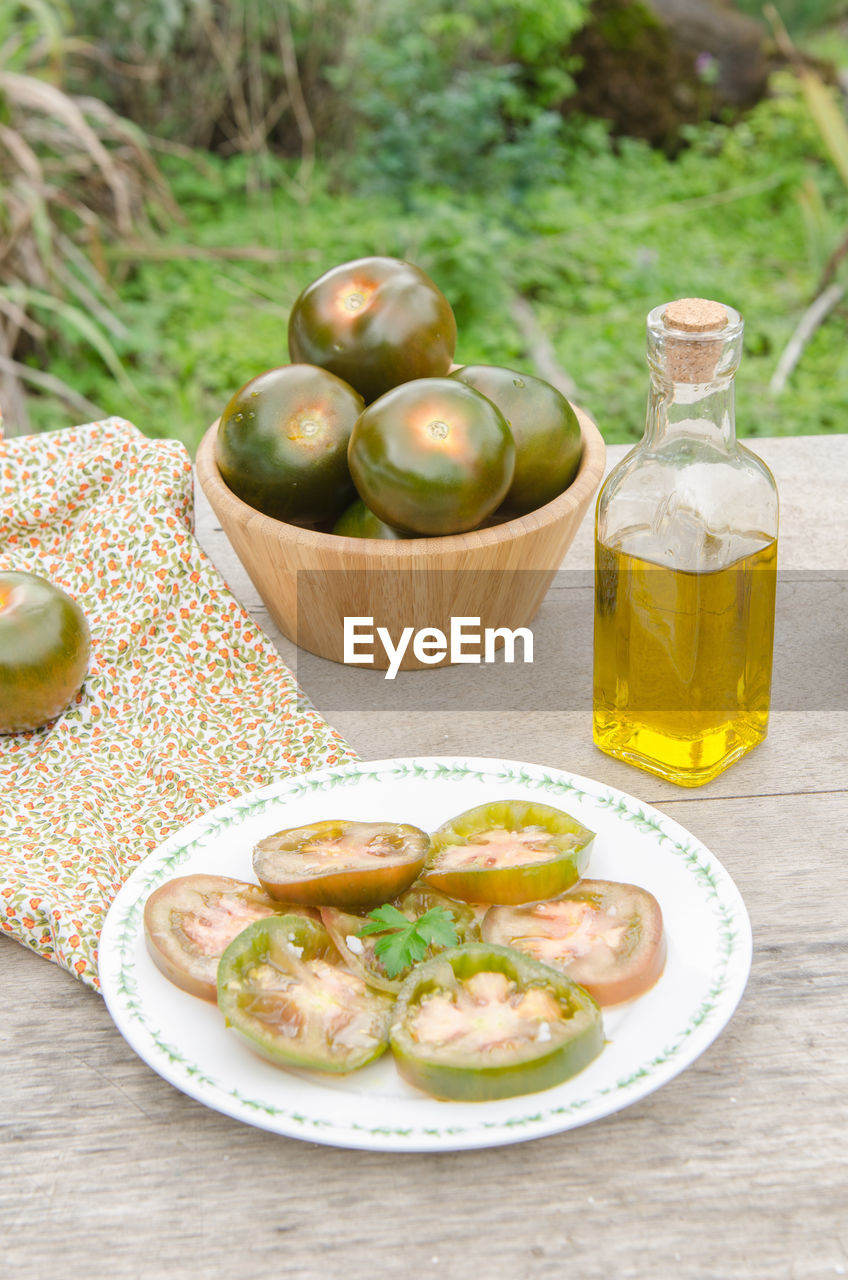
(685, 565)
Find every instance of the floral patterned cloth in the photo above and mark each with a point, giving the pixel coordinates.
(186, 703)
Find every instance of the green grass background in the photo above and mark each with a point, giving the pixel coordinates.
(746, 214)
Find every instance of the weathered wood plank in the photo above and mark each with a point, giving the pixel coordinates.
(736, 1169)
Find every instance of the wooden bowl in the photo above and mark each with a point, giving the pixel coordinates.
(310, 581)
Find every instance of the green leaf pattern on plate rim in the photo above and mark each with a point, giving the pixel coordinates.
(691, 854)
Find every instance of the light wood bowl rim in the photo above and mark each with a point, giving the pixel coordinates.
(578, 494)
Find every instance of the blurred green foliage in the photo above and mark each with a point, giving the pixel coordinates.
(433, 132)
(801, 17)
(594, 253)
(73, 175)
(227, 74)
(464, 92)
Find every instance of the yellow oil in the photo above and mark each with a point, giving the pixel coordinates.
(683, 661)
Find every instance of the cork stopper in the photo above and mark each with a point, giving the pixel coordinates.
(689, 360)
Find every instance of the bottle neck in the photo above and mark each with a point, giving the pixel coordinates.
(683, 410)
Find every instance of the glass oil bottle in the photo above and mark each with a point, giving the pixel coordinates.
(685, 565)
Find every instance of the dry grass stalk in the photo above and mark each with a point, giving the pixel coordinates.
(74, 176)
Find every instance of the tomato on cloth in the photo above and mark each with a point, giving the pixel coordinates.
(44, 650)
(186, 702)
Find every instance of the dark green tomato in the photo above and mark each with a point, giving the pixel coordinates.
(44, 650)
(282, 443)
(375, 322)
(508, 852)
(282, 985)
(480, 1022)
(545, 428)
(336, 863)
(358, 522)
(432, 457)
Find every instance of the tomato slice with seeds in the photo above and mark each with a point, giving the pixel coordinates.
(508, 852)
(480, 1022)
(282, 986)
(359, 953)
(189, 922)
(352, 865)
(282, 443)
(607, 936)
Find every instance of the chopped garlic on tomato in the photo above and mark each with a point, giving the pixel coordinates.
(223, 916)
(571, 929)
(537, 1003)
(485, 1012)
(499, 848)
(335, 853)
(324, 998)
(488, 986)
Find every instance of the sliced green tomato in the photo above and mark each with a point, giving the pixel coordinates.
(360, 952)
(606, 936)
(281, 984)
(189, 922)
(352, 865)
(508, 852)
(480, 1022)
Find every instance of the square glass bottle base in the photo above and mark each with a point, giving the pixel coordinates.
(685, 759)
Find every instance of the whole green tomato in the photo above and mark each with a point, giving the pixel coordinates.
(44, 651)
(432, 457)
(375, 322)
(282, 443)
(547, 435)
(358, 522)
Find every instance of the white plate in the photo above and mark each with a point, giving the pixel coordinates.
(650, 1039)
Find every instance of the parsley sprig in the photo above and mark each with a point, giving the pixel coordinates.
(404, 942)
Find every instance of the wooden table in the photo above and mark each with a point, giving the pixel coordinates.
(736, 1169)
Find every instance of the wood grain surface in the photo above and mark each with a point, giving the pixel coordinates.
(736, 1170)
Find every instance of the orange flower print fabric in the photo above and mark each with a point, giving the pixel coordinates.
(186, 703)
